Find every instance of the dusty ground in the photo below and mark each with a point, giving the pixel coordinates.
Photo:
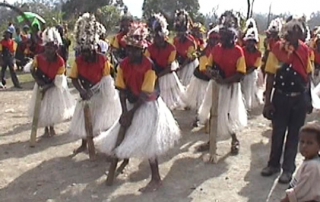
(49, 172)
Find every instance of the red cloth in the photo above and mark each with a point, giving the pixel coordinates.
(161, 55)
(9, 44)
(317, 57)
(299, 63)
(49, 69)
(272, 42)
(182, 47)
(133, 75)
(121, 42)
(251, 58)
(93, 72)
(227, 59)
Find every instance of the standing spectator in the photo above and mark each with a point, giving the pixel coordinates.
(288, 71)
(7, 49)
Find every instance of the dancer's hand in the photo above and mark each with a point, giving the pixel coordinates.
(86, 94)
(268, 111)
(126, 119)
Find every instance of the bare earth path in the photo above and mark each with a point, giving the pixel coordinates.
(49, 172)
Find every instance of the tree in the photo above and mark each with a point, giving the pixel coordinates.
(76, 7)
(110, 17)
(169, 7)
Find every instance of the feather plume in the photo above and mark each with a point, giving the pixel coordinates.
(51, 34)
(137, 35)
(87, 31)
(159, 24)
(275, 25)
(252, 34)
(251, 23)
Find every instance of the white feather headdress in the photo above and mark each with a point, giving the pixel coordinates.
(87, 31)
(213, 31)
(51, 34)
(160, 24)
(251, 22)
(275, 25)
(252, 34)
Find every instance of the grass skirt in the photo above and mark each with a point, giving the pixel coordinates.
(196, 92)
(28, 66)
(105, 109)
(186, 73)
(250, 90)
(232, 115)
(171, 90)
(152, 133)
(57, 104)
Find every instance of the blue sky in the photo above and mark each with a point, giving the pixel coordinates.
(297, 7)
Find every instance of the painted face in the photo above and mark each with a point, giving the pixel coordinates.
(309, 146)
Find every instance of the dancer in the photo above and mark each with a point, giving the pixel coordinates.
(90, 75)
(253, 62)
(186, 48)
(150, 127)
(227, 73)
(48, 69)
(196, 90)
(198, 31)
(163, 55)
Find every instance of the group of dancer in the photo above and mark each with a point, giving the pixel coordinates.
(147, 77)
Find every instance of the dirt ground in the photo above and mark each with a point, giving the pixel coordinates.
(49, 172)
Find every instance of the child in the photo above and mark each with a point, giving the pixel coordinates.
(305, 186)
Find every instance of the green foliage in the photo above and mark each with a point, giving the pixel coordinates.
(109, 16)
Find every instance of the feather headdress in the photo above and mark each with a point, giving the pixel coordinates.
(182, 21)
(197, 26)
(275, 25)
(158, 24)
(251, 23)
(252, 34)
(51, 35)
(87, 31)
(214, 32)
(137, 35)
(230, 21)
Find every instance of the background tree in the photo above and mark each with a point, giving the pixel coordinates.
(110, 16)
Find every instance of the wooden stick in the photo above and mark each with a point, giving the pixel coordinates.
(36, 115)
(214, 123)
(89, 130)
(114, 163)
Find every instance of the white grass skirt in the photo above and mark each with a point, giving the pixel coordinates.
(28, 66)
(105, 109)
(232, 114)
(171, 91)
(196, 92)
(57, 104)
(250, 90)
(186, 73)
(315, 96)
(152, 133)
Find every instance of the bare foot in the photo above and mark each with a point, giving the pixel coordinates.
(152, 186)
(46, 134)
(204, 147)
(52, 132)
(79, 150)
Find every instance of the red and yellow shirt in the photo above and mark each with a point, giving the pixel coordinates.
(50, 69)
(118, 41)
(234, 63)
(93, 72)
(252, 59)
(185, 49)
(282, 53)
(317, 57)
(161, 56)
(10, 45)
(138, 78)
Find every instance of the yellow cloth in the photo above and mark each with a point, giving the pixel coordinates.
(273, 64)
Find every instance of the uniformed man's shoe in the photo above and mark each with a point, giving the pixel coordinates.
(285, 178)
(269, 171)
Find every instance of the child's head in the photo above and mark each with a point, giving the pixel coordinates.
(310, 140)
